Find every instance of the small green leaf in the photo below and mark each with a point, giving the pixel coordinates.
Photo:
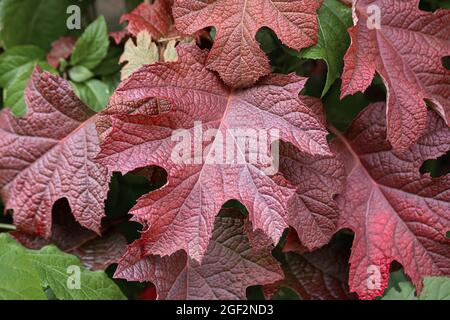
(18, 279)
(110, 64)
(46, 273)
(93, 93)
(16, 66)
(92, 47)
(400, 288)
(80, 74)
(334, 40)
(52, 265)
(36, 22)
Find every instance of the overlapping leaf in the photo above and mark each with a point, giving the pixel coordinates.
(236, 55)
(313, 211)
(396, 212)
(181, 215)
(230, 266)
(317, 275)
(405, 46)
(48, 155)
(155, 18)
(334, 19)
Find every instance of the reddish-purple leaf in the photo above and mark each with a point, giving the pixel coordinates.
(48, 155)
(181, 214)
(230, 266)
(313, 211)
(61, 49)
(396, 212)
(405, 46)
(236, 54)
(67, 234)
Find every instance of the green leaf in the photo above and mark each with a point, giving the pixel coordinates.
(94, 93)
(36, 22)
(15, 60)
(38, 274)
(18, 279)
(92, 47)
(112, 81)
(80, 74)
(52, 265)
(334, 40)
(16, 66)
(400, 288)
(110, 65)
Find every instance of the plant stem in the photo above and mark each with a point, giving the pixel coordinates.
(7, 226)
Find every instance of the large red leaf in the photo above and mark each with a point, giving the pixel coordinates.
(48, 155)
(236, 54)
(230, 266)
(317, 275)
(396, 212)
(181, 215)
(407, 51)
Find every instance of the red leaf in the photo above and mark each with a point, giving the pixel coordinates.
(313, 211)
(118, 36)
(156, 18)
(181, 214)
(48, 155)
(396, 212)
(146, 106)
(236, 55)
(407, 51)
(61, 49)
(67, 234)
(318, 275)
(230, 266)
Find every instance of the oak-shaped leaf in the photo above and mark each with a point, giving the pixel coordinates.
(31, 274)
(406, 46)
(135, 55)
(318, 275)
(397, 213)
(48, 155)
(312, 211)
(236, 54)
(199, 143)
(230, 266)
